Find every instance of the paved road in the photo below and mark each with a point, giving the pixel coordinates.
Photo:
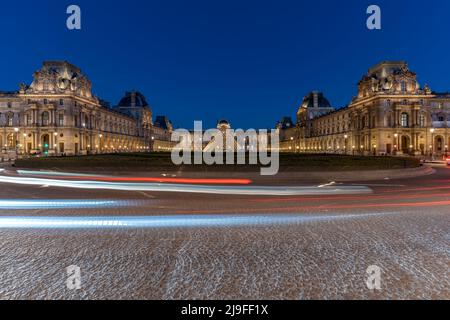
(172, 245)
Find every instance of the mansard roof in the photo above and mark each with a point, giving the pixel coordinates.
(133, 99)
(316, 99)
(163, 122)
(285, 123)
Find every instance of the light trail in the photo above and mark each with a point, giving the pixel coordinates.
(21, 204)
(90, 177)
(168, 180)
(52, 173)
(350, 198)
(191, 221)
(224, 190)
(431, 188)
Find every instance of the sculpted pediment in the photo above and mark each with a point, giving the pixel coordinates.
(60, 77)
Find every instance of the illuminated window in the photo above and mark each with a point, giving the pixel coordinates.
(45, 118)
(422, 122)
(11, 141)
(61, 120)
(10, 119)
(404, 120)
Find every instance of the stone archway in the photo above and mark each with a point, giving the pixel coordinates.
(439, 145)
(405, 144)
(45, 143)
(11, 141)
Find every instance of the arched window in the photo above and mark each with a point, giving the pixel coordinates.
(422, 120)
(388, 120)
(61, 120)
(403, 86)
(45, 118)
(11, 141)
(404, 120)
(10, 120)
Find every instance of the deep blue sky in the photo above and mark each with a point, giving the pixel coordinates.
(248, 61)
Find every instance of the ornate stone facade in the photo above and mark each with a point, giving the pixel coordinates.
(392, 114)
(58, 114)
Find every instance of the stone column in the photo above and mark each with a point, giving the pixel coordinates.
(417, 141)
(35, 141)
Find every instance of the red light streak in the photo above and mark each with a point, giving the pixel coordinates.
(163, 180)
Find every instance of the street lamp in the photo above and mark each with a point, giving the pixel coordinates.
(24, 142)
(55, 142)
(345, 146)
(432, 143)
(16, 130)
(100, 142)
(396, 143)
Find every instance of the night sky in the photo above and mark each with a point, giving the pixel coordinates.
(250, 62)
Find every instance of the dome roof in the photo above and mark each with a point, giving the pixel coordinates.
(163, 122)
(315, 100)
(133, 99)
(285, 123)
(223, 122)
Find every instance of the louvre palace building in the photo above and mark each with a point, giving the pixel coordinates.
(59, 115)
(391, 115)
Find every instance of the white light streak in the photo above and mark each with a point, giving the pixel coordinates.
(18, 204)
(185, 188)
(185, 221)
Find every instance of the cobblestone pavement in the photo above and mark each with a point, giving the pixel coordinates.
(307, 247)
